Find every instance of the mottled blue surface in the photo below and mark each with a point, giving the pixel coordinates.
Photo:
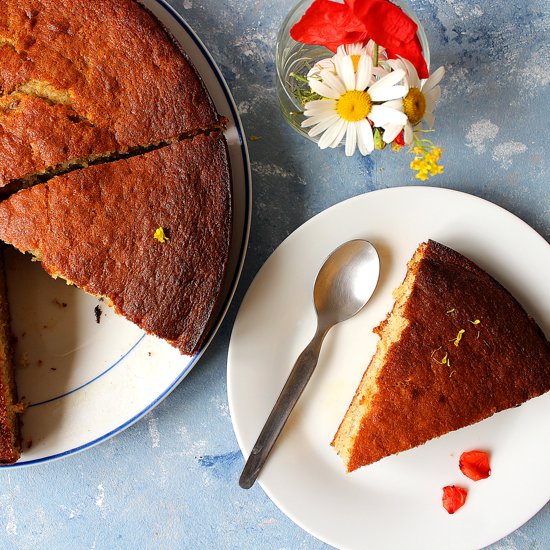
(170, 481)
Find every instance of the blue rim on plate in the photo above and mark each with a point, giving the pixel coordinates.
(231, 288)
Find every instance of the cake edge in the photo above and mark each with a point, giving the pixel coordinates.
(9, 416)
(389, 331)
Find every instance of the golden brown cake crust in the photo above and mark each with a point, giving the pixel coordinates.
(103, 73)
(95, 227)
(35, 135)
(431, 383)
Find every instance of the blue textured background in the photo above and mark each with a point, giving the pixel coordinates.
(170, 481)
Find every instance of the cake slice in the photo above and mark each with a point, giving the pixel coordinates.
(455, 349)
(101, 228)
(9, 409)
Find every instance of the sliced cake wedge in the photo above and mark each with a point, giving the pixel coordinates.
(455, 349)
(149, 233)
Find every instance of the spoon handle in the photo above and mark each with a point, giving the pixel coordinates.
(293, 388)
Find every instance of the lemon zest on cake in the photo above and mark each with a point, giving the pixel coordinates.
(459, 337)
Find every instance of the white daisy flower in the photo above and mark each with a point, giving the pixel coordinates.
(419, 102)
(358, 49)
(355, 51)
(315, 71)
(349, 101)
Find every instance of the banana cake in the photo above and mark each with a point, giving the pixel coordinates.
(455, 349)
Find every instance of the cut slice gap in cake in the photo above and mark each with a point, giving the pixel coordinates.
(49, 172)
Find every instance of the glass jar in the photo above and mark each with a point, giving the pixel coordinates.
(293, 57)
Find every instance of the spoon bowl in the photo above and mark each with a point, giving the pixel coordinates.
(343, 286)
(346, 281)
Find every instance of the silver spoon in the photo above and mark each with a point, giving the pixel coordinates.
(345, 283)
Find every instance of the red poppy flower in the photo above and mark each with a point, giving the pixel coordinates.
(331, 24)
(475, 465)
(453, 498)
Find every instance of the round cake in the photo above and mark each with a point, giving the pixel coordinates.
(114, 170)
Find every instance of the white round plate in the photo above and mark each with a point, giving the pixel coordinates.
(395, 503)
(86, 381)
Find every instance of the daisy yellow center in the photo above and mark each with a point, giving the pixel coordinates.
(355, 59)
(354, 105)
(414, 105)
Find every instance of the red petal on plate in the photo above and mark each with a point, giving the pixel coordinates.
(453, 498)
(475, 465)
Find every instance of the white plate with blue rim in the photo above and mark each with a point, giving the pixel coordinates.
(83, 380)
(395, 503)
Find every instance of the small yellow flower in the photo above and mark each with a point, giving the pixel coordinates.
(426, 157)
(160, 235)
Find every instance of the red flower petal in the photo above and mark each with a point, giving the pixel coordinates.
(400, 139)
(386, 23)
(412, 51)
(329, 24)
(453, 498)
(389, 26)
(475, 465)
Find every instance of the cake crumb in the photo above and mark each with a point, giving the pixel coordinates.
(19, 407)
(98, 312)
(53, 368)
(58, 303)
(39, 362)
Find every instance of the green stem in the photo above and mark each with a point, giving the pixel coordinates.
(298, 77)
(376, 55)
